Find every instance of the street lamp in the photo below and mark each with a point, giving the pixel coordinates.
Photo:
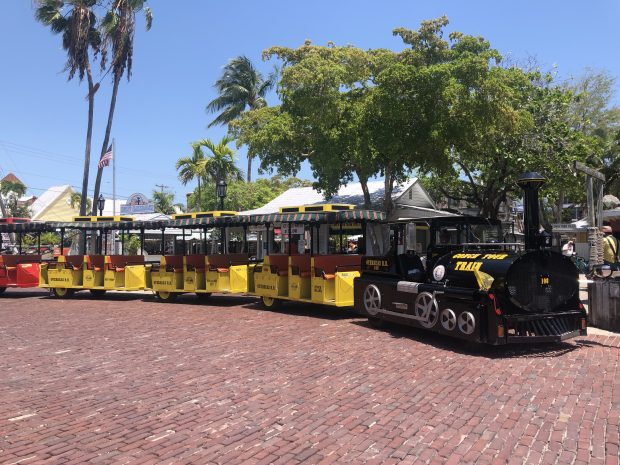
(187, 197)
(221, 192)
(100, 204)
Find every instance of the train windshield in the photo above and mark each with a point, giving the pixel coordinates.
(468, 233)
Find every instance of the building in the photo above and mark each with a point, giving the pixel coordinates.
(54, 205)
(410, 199)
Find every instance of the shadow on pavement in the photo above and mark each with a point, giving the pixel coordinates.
(589, 343)
(23, 294)
(476, 350)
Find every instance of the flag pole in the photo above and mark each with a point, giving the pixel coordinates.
(113, 177)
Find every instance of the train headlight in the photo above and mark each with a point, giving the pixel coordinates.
(439, 272)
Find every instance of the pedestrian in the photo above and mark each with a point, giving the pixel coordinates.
(568, 249)
(611, 254)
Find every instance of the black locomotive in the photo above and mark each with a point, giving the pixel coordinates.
(475, 286)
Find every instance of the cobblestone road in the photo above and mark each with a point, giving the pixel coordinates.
(126, 380)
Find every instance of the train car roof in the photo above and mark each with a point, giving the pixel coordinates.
(340, 216)
(210, 221)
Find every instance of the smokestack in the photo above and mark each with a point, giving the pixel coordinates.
(530, 183)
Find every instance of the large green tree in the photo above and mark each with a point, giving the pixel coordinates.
(355, 113)
(118, 29)
(241, 87)
(76, 21)
(593, 114)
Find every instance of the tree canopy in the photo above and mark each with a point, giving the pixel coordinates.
(446, 107)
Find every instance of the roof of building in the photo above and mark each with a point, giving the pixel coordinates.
(410, 193)
(11, 178)
(48, 198)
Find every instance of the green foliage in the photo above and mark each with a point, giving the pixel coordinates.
(12, 187)
(164, 202)
(11, 192)
(132, 245)
(78, 28)
(241, 86)
(76, 199)
(243, 196)
(219, 165)
(593, 115)
(364, 113)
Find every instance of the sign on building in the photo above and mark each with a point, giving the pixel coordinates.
(137, 203)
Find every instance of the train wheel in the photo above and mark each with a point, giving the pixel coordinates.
(2, 289)
(467, 323)
(202, 296)
(372, 299)
(97, 292)
(426, 308)
(62, 292)
(448, 319)
(270, 303)
(165, 296)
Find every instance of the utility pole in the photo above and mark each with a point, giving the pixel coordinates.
(595, 181)
(162, 187)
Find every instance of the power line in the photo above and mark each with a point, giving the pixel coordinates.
(162, 187)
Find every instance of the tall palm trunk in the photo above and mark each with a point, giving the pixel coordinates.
(89, 135)
(106, 141)
(249, 177)
(199, 203)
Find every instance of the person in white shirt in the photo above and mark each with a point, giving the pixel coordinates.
(569, 248)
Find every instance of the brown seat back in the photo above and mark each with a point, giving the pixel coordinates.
(330, 264)
(300, 265)
(279, 264)
(121, 261)
(174, 263)
(222, 261)
(95, 262)
(74, 261)
(14, 260)
(195, 262)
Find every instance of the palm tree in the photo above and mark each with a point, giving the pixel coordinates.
(220, 164)
(118, 29)
(163, 202)
(75, 201)
(79, 36)
(241, 86)
(192, 167)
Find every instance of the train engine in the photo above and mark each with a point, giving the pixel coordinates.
(484, 292)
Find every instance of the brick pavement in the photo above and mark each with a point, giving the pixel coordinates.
(127, 380)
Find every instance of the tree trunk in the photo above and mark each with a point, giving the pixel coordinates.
(387, 191)
(559, 208)
(89, 135)
(364, 184)
(106, 141)
(3, 207)
(249, 176)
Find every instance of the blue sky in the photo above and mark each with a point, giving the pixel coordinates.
(43, 117)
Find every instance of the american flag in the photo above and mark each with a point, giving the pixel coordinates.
(105, 159)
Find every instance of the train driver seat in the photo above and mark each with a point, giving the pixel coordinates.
(410, 266)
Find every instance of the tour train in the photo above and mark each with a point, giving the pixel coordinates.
(473, 286)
